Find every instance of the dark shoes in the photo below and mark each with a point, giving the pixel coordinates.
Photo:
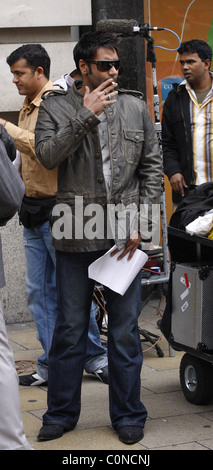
(102, 374)
(130, 434)
(35, 379)
(49, 432)
(31, 380)
(127, 434)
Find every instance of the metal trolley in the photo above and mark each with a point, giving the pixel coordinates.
(192, 312)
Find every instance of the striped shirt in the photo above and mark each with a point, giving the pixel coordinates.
(201, 117)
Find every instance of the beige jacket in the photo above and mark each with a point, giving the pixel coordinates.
(39, 182)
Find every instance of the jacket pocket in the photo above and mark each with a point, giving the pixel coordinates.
(133, 144)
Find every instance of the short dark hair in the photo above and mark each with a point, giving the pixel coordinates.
(89, 43)
(35, 55)
(197, 45)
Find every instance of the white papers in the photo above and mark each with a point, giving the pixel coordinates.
(202, 225)
(117, 275)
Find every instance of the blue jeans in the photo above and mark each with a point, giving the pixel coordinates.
(67, 354)
(96, 355)
(42, 299)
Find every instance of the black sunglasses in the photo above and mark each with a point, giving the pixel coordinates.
(104, 65)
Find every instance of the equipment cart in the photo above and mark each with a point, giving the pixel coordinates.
(192, 312)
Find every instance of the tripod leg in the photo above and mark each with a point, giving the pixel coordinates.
(148, 337)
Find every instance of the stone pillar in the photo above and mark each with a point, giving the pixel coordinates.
(132, 49)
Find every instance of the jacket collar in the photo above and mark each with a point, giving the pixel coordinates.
(185, 84)
(37, 100)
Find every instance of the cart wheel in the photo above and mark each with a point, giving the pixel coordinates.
(196, 378)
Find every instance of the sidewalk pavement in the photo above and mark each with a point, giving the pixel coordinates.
(172, 424)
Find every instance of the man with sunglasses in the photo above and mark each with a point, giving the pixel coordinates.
(105, 145)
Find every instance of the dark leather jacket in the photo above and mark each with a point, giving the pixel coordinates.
(176, 136)
(66, 135)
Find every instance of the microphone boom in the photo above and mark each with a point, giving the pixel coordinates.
(125, 28)
(122, 27)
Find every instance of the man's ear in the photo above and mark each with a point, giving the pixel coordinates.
(207, 63)
(40, 72)
(83, 67)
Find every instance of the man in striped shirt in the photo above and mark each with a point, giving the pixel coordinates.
(187, 122)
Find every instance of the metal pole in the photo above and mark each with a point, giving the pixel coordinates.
(151, 57)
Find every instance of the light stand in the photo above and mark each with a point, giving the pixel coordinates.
(162, 278)
(151, 57)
